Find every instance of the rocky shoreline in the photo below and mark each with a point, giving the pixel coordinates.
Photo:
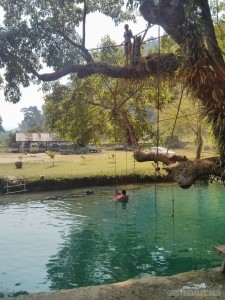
(203, 284)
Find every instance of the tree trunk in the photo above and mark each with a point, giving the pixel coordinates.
(199, 141)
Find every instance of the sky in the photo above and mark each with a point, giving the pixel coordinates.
(97, 27)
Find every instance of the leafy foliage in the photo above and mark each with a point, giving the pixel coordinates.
(33, 33)
(36, 34)
(33, 120)
(87, 110)
(51, 154)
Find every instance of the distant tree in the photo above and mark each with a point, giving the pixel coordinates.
(1, 127)
(11, 139)
(33, 120)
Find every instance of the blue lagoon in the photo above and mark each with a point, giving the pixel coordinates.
(66, 239)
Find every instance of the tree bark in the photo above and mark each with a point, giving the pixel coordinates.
(182, 170)
(148, 66)
(199, 141)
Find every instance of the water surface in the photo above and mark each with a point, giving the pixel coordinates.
(78, 240)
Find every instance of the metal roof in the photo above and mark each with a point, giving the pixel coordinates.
(36, 137)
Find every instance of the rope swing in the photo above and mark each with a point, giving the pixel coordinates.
(175, 121)
(158, 107)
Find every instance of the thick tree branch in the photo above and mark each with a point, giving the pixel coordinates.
(168, 14)
(182, 170)
(210, 34)
(158, 157)
(185, 173)
(149, 66)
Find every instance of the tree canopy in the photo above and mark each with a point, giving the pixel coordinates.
(42, 33)
(33, 119)
(96, 107)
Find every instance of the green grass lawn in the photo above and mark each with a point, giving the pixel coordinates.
(74, 166)
(106, 163)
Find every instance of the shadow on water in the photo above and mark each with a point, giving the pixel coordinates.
(73, 239)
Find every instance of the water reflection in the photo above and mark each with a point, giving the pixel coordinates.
(80, 240)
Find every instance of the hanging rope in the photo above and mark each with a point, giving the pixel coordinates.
(115, 140)
(134, 165)
(134, 173)
(172, 201)
(158, 108)
(171, 136)
(175, 121)
(158, 91)
(126, 160)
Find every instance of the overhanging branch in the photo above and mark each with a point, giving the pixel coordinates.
(147, 67)
(183, 171)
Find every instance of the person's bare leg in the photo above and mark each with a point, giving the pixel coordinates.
(130, 52)
(126, 54)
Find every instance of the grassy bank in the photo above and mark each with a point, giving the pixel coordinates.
(69, 171)
(74, 166)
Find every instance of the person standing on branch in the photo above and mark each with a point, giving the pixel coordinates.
(128, 35)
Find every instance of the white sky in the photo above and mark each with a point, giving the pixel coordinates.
(97, 27)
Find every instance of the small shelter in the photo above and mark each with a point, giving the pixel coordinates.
(37, 141)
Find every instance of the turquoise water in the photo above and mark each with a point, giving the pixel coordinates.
(80, 240)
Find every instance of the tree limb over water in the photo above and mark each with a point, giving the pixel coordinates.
(183, 171)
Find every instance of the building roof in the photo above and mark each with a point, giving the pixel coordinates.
(36, 137)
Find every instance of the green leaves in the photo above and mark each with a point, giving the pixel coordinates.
(86, 110)
(33, 119)
(37, 33)
(51, 154)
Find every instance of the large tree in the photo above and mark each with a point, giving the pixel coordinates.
(33, 119)
(44, 32)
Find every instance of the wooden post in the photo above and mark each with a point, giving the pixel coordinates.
(136, 53)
